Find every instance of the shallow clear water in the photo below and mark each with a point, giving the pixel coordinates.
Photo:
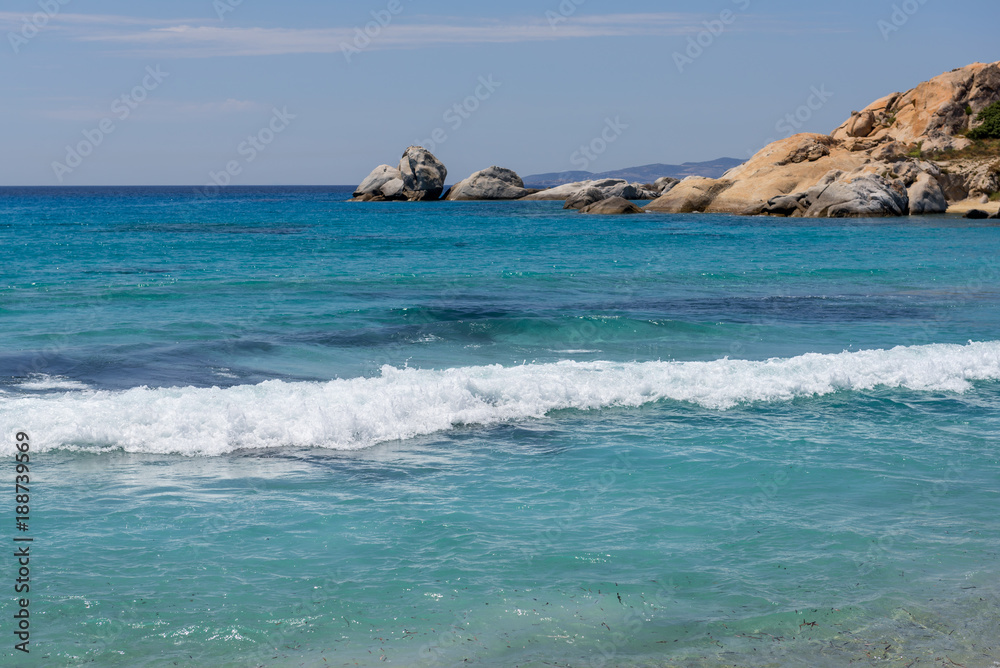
(274, 428)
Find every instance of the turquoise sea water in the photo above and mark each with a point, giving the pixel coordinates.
(271, 428)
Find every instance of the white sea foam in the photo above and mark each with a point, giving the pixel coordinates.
(404, 403)
(41, 381)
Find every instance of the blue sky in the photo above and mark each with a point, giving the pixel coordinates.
(256, 92)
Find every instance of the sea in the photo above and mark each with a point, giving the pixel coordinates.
(269, 427)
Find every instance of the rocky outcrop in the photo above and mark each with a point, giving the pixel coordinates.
(838, 197)
(977, 214)
(611, 206)
(494, 183)
(933, 113)
(609, 187)
(423, 175)
(420, 177)
(876, 155)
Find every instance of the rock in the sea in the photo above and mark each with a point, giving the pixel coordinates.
(926, 196)
(610, 188)
(836, 197)
(584, 198)
(977, 214)
(423, 175)
(611, 206)
(372, 185)
(693, 194)
(494, 183)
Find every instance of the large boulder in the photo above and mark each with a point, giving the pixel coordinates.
(393, 190)
(423, 175)
(372, 185)
(926, 196)
(584, 198)
(693, 194)
(835, 196)
(612, 206)
(495, 183)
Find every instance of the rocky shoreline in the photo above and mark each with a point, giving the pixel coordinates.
(872, 165)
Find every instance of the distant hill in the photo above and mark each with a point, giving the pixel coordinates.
(644, 174)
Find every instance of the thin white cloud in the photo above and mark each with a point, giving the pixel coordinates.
(14, 20)
(209, 38)
(194, 40)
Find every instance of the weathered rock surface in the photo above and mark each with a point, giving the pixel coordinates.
(876, 153)
(373, 183)
(493, 183)
(663, 184)
(420, 176)
(932, 113)
(693, 194)
(423, 175)
(926, 196)
(584, 198)
(393, 190)
(612, 206)
(610, 188)
(836, 197)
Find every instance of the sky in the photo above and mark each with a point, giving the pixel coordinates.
(320, 92)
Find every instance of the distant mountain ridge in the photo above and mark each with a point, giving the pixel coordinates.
(644, 174)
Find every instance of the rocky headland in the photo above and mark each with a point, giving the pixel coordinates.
(877, 163)
(904, 154)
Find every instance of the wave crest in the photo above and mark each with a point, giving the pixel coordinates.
(405, 403)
